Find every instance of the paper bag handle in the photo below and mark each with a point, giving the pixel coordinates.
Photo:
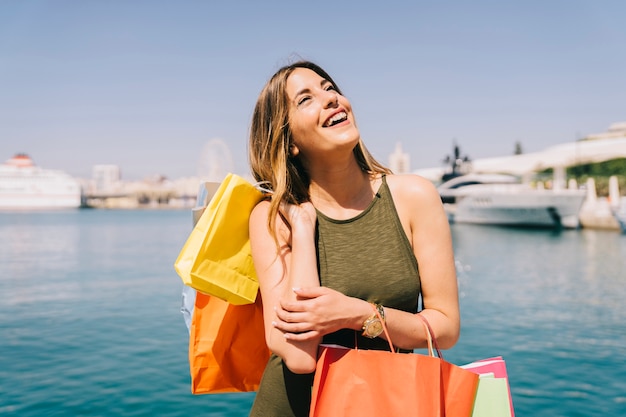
(430, 336)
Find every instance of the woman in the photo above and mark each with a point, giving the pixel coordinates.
(340, 237)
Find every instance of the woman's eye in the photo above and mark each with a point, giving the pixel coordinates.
(303, 100)
(330, 87)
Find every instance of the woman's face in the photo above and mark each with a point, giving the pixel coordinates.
(320, 118)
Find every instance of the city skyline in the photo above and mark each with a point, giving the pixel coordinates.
(145, 85)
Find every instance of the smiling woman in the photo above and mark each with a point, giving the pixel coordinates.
(340, 236)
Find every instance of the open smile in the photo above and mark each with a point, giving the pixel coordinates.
(336, 119)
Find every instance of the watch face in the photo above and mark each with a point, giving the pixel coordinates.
(375, 328)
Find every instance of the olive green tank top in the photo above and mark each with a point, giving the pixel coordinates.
(369, 257)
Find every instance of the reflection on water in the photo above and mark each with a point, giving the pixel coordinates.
(534, 267)
(552, 304)
(38, 250)
(67, 255)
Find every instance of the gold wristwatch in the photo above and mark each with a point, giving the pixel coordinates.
(372, 327)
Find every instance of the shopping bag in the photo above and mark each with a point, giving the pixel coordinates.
(227, 349)
(216, 257)
(355, 382)
(493, 397)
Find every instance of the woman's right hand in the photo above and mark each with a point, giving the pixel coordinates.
(299, 216)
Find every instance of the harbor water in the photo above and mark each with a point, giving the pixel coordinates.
(90, 321)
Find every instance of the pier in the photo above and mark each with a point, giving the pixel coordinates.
(156, 192)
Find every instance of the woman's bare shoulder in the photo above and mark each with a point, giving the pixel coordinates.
(413, 188)
(259, 222)
(261, 210)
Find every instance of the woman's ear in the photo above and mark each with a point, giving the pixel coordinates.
(293, 150)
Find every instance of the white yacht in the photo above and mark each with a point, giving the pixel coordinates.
(503, 200)
(23, 185)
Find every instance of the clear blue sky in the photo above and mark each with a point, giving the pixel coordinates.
(145, 84)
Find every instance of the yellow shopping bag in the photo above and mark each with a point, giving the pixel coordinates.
(216, 258)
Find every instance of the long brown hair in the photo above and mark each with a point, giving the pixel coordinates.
(270, 137)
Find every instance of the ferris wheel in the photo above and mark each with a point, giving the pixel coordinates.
(215, 161)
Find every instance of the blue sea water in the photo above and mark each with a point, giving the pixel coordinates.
(90, 321)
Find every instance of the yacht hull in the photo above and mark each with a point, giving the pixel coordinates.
(512, 204)
(515, 215)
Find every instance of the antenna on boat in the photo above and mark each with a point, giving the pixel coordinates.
(457, 164)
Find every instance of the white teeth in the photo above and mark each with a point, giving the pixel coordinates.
(337, 118)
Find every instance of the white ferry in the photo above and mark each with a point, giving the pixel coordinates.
(23, 185)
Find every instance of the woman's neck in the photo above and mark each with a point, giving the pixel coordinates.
(342, 193)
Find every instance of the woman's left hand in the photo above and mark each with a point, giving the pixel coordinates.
(315, 312)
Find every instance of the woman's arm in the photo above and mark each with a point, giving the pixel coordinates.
(422, 215)
(280, 270)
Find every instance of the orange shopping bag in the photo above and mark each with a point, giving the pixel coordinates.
(227, 350)
(355, 382)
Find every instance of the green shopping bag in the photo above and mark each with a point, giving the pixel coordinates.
(493, 396)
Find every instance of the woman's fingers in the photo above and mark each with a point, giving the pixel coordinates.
(294, 326)
(310, 315)
(298, 213)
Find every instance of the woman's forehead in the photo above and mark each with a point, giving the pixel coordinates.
(303, 78)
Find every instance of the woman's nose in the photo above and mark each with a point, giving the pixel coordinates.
(332, 98)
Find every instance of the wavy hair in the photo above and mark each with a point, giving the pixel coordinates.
(270, 138)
